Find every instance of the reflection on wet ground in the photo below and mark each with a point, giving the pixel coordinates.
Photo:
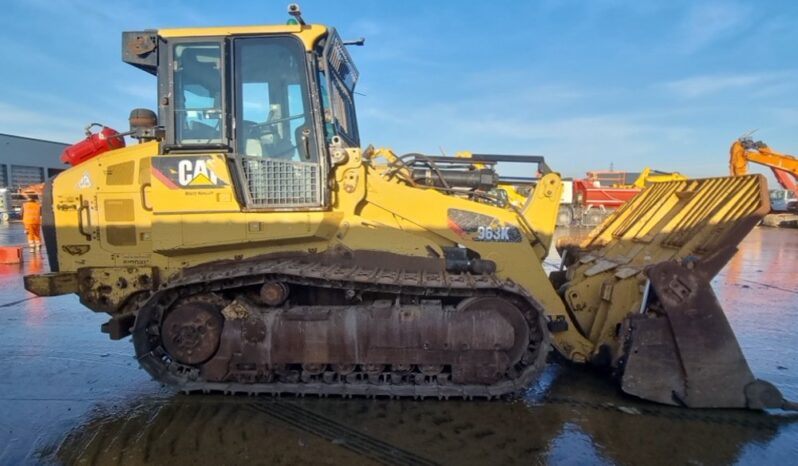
(579, 420)
(69, 395)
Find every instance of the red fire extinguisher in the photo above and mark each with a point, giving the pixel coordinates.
(95, 144)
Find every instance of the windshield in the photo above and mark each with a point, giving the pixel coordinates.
(198, 93)
(272, 105)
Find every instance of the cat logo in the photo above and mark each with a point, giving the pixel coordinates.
(195, 173)
(190, 172)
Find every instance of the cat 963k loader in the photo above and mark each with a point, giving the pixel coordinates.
(249, 245)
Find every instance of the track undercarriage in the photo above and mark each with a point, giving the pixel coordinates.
(341, 324)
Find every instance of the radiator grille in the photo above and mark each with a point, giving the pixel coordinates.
(281, 183)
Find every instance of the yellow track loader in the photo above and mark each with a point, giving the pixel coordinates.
(249, 245)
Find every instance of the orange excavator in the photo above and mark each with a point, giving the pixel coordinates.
(784, 166)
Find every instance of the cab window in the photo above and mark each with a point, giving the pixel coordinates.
(198, 93)
(272, 109)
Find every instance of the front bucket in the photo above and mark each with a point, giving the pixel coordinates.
(638, 288)
(686, 353)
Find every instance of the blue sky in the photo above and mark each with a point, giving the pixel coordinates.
(669, 84)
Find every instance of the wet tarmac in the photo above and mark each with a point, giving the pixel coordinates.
(69, 395)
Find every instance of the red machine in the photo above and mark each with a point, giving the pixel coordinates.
(95, 144)
(607, 189)
(593, 198)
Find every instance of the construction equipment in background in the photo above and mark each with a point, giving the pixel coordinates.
(589, 201)
(249, 245)
(649, 175)
(783, 200)
(597, 195)
(784, 167)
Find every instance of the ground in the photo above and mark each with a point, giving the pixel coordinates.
(70, 395)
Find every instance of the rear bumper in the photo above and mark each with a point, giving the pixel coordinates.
(52, 284)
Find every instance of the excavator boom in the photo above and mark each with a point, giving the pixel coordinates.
(784, 166)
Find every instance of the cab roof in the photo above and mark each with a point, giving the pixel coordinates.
(308, 33)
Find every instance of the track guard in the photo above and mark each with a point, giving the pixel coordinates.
(688, 354)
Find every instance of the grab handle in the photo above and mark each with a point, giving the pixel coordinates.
(144, 205)
(84, 206)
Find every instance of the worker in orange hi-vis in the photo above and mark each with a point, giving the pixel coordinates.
(32, 220)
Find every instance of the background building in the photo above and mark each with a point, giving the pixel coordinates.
(25, 161)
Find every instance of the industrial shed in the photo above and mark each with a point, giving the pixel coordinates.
(25, 161)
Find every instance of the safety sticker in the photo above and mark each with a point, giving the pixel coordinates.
(85, 181)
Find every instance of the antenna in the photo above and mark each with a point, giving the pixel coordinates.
(748, 134)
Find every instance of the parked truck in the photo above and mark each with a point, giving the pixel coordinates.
(588, 201)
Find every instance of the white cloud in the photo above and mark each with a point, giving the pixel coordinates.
(555, 94)
(705, 23)
(37, 124)
(698, 86)
(589, 141)
(761, 83)
(572, 144)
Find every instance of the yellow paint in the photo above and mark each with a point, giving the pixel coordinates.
(308, 34)
(648, 176)
(676, 220)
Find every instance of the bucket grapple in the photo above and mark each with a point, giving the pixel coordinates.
(640, 286)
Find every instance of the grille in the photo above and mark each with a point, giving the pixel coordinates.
(281, 183)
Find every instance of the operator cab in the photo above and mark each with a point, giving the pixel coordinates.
(782, 200)
(272, 98)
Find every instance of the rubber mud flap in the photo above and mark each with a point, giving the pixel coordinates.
(701, 365)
